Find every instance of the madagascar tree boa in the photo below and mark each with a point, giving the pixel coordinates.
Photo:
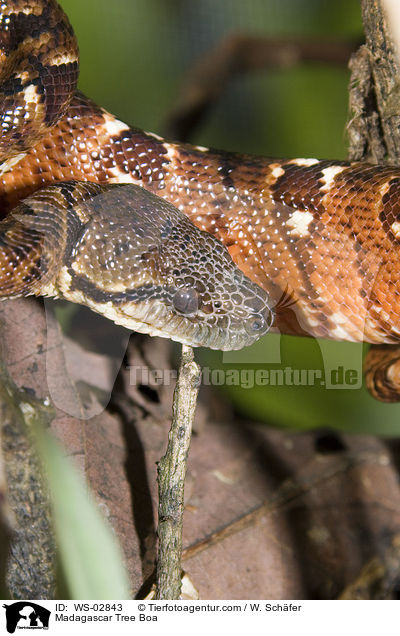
(205, 247)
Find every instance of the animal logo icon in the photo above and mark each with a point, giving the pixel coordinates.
(26, 615)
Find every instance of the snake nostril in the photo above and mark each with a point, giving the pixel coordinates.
(186, 300)
(255, 325)
(260, 323)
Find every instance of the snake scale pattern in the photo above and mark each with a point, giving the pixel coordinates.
(139, 229)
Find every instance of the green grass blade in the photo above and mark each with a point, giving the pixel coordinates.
(90, 555)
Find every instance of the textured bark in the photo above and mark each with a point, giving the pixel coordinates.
(171, 478)
(374, 135)
(374, 127)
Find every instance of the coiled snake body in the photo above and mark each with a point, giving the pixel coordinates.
(323, 235)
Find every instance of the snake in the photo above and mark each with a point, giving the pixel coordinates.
(206, 247)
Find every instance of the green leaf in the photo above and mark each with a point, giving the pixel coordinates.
(90, 556)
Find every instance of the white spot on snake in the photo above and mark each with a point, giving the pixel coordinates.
(382, 316)
(31, 94)
(340, 332)
(120, 176)
(277, 172)
(63, 58)
(339, 318)
(113, 126)
(395, 227)
(299, 221)
(10, 163)
(329, 176)
(23, 9)
(171, 151)
(304, 162)
(201, 148)
(22, 75)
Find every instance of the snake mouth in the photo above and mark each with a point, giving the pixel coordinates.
(175, 313)
(155, 318)
(202, 335)
(223, 329)
(225, 332)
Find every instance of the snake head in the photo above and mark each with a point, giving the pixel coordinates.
(138, 260)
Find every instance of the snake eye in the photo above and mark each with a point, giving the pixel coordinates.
(186, 301)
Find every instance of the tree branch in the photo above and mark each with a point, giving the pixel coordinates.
(171, 479)
(374, 127)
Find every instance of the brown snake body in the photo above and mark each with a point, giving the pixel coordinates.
(319, 238)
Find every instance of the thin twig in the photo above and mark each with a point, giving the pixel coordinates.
(171, 479)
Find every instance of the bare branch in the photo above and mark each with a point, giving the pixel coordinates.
(171, 479)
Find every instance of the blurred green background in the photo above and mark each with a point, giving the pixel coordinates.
(134, 56)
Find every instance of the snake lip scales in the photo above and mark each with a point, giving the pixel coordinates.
(324, 233)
